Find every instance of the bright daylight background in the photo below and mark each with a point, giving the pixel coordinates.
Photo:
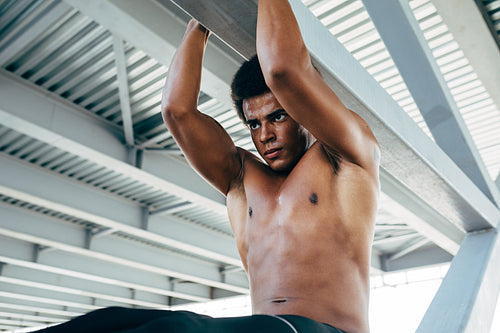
(398, 301)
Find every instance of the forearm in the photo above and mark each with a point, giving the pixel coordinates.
(279, 41)
(182, 86)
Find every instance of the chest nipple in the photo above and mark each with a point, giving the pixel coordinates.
(313, 198)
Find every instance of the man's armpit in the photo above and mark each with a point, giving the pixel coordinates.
(333, 157)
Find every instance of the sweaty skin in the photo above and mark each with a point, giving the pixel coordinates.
(303, 214)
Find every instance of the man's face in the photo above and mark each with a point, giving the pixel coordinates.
(279, 139)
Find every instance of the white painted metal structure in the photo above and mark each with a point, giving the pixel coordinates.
(99, 208)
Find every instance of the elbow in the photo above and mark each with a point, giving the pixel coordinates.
(283, 69)
(278, 75)
(171, 112)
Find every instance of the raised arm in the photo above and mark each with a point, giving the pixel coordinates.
(301, 91)
(206, 145)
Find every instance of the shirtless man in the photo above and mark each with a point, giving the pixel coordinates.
(304, 217)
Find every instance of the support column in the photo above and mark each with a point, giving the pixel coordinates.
(466, 300)
(406, 43)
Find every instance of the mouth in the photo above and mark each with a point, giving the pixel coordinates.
(272, 153)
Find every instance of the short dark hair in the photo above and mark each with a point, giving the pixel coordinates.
(247, 82)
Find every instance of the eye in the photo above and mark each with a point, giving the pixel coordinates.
(253, 126)
(279, 117)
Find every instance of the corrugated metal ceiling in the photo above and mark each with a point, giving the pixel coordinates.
(74, 58)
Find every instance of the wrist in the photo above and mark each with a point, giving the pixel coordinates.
(194, 25)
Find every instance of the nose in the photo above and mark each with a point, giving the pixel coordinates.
(266, 133)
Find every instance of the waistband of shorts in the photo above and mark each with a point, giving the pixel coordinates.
(298, 323)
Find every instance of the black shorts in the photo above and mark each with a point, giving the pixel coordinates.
(125, 320)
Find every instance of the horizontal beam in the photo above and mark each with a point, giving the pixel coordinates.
(408, 154)
(100, 275)
(60, 285)
(54, 234)
(426, 256)
(62, 126)
(105, 211)
(43, 311)
(419, 216)
(144, 24)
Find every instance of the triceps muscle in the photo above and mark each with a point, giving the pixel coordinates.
(208, 148)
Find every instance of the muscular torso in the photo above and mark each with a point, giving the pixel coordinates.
(305, 238)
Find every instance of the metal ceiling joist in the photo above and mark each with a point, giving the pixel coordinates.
(60, 125)
(105, 212)
(469, 29)
(66, 290)
(419, 216)
(54, 12)
(474, 272)
(406, 43)
(427, 255)
(121, 73)
(114, 250)
(23, 317)
(33, 309)
(408, 154)
(144, 24)
(97, 274)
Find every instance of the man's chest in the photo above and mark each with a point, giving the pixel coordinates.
(277, 201)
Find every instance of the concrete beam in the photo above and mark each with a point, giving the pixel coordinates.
(474, 273)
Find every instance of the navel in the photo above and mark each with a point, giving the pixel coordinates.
(279, 300)
(313, 198)
(250, 211)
